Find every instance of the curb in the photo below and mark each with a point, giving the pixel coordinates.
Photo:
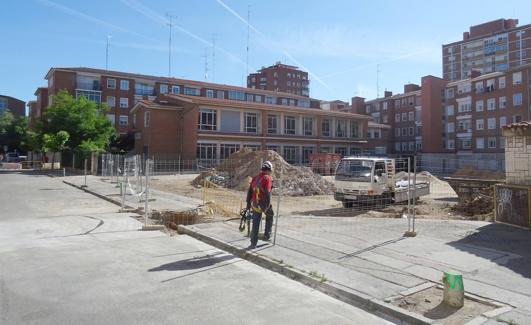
(357, 299)
(101, 196)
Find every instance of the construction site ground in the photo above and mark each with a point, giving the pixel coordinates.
(370, 257)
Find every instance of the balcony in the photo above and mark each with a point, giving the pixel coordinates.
(94, 85)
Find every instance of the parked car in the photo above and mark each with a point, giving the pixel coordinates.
(12, 157)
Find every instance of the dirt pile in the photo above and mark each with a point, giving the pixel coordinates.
(237, 171)
(471, 172)
(481, 203)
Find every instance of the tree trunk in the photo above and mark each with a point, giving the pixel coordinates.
(53, 160)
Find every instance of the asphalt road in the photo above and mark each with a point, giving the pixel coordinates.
(67, 257)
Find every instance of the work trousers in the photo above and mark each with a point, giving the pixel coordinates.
(257, 218)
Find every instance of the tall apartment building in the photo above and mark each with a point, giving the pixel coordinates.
(16, 106)
(121, 90)
(494, 46)
(414, 116)
(476, 109)
(282, 78)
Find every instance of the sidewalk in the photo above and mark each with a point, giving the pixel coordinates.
(372, 261)
(111, 192)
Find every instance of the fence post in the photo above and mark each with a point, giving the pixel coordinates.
(278, 205)
(146, 202)
(414, 190)
(85, 168)
(408, 194)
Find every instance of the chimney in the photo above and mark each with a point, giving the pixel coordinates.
(388, 94)
(475, 73)
(466, 35)
(410, 87)
(358, 105)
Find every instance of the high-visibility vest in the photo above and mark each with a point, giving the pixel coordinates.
(257, 194)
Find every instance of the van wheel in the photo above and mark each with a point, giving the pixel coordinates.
(347, 204)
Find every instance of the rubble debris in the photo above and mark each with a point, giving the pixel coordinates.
(236, 173)
(480, 203)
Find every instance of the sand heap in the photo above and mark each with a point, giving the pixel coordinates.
(236, 173)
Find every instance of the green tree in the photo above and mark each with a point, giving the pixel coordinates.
(13, 130)
(55, 142)
(83, 120)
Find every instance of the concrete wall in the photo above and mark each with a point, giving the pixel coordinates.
(518, 160)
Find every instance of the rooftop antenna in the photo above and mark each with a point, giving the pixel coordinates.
(170, 24)
(377, 81)
(205, 56)
(248, 33)
(107, 53)
(213, 57)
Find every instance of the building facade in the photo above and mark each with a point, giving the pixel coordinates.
(281, 78)
(16, 106)
(213, 128)
(494, 46)
(121, 90)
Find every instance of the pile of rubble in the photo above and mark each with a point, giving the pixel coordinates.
(481, 203)
(236, 173)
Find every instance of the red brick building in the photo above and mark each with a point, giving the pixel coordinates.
(16, 106)
(211, 128)
(282, 78)
(494, 46)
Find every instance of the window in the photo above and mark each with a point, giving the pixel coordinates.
(397, 146)
(272, 124)
(404, 117)
(342, 151)
(284, 101)
(306, 151)
(94, 96)
(450, 127)
(163, 89)
(404, 132)
(490, 85)
(385, 119)
(503, 102)
(411, 116)
(124, 102)
(517, 99)
(355, 129)
(492, 142)
(411, 146)
(341, 128)
(134, 120)
(258, 98)
(404, 146)
(111, 118)
(501, 82)
(491, 104)
(480, 124)
(291, 154)
(270, 100)
(517, 119)
(397, 132)
(450, 144)
(207, 151)
(292, 102)
(251, 122)
(466, 143)
(449, 93)
(210, 93)
(517, 78)
(111, 83)
(464, 106)
(397, 117)
(221, 94)
(411, 131)
(503, 121)
(124, 120)
(111, 101)
(325, 128)
(307, 123)
(124, 84)
(225, 150)
(236, 95)
(464, 126)
(192, 91)
(491, 123)
(207, 119)
(479, 87)
(144, 89)
(147, 119)
(450, 110)
(397, 103)
(480, 143)
(249, 97)
(289, 125)
(175, 90)
(479, 105)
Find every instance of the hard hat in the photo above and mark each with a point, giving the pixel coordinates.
(267, 165)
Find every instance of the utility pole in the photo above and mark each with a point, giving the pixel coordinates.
(377, 81)
(170, 24)
(213, 57)
(247, 48)
(107, 53)
(205, 56)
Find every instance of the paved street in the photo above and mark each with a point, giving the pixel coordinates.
(67, 257)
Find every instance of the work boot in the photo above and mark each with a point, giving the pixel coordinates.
(251, 246)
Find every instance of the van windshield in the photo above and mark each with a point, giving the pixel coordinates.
(354, 170)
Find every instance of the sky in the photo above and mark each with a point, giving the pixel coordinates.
(341, 44)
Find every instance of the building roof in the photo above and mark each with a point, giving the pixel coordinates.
(396, 96)
(175, 81)
(248, 105)
(487, 35)
(373, 124)
(12, 98)
(520, 125)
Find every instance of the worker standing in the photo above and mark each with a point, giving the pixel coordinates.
(259, 201)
